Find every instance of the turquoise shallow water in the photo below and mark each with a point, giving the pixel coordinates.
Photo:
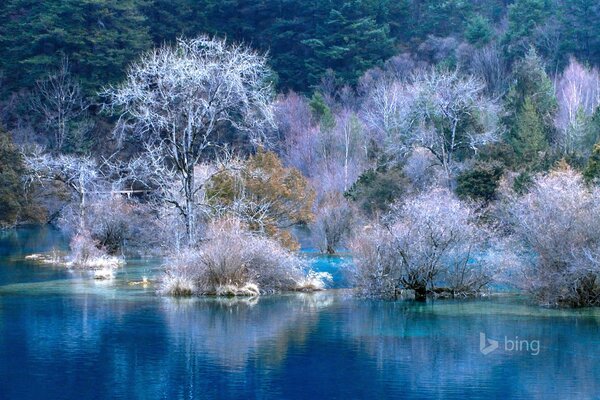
(65, 336)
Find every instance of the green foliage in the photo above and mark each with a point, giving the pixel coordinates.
(591, 173)
(592, 129)
(377, 189)
(480, 182)
(349, 42)
(321, 111)
(531, 107)
(523, 182)
(524, 16)
(100, 37)
(528, 138)
(12, 198)
(305, 39)
(479, 32)
(580, 35)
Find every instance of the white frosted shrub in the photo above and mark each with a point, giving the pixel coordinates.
(431, 242)
(233, 261)
(557, 220)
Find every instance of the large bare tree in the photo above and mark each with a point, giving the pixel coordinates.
(177, 98)
(59, 100)
(441, 111)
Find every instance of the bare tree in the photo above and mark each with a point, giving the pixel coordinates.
(430, 240)
(489, 65)
(80, 173)
(578, 94)
(179, 97)
(557, 222)
(453, 114)
(333, 223)
(59, 101)
(442, 112)
(387, 113)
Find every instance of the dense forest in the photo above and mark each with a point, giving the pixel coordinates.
(446, 145)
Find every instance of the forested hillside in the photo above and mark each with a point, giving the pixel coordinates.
(305, 39)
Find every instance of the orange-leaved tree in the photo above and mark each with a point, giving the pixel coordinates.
(269, 196)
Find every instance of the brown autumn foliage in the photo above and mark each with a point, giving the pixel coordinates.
(268, 196)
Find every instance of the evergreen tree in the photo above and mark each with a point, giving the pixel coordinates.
(480, 182)
(12, 199)
(524, 16)
(531, 85)
(591, 173)
(99, 37)
(349, 42)
(479, 31)
(321, 111)
(580, 20)
(529, 140)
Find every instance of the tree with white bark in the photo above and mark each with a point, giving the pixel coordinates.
(334, 221)
(557, 222)
(81, 174)
(387, 112)
(178, 98)
(453, 115)
(430, 241)
(578, 95)
(59, 100)
(442, 111)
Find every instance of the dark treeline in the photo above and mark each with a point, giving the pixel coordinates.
(305, 39)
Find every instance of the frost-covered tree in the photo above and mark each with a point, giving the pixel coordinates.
(578, 95)
(234, 261)
(81, 174)
(334, 221)
(557, 221)
(177, 98)
(431, 240)
(59, 101)
(442, 111)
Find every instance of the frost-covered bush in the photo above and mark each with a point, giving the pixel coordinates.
(333, 224)
(557, 220)
(430, 243)
(117, 225)
(87, 253)
(231, 260)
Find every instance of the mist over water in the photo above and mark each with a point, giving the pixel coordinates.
(64, 335)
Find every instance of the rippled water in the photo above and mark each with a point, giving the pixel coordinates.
(66, 336)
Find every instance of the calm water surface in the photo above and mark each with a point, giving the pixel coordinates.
(65, 336)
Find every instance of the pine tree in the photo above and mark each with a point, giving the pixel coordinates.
(579, 29)
(524, 16)
(531, 85)
(529, 140)
(12, 199)
(349, 42)
(591, 172)
(99, 37)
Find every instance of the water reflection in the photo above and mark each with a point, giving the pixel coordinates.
(65, 335)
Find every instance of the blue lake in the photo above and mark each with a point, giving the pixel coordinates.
(64, 335)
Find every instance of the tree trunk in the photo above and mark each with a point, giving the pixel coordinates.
(330, 250)
(420, 293)
(190, 217)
